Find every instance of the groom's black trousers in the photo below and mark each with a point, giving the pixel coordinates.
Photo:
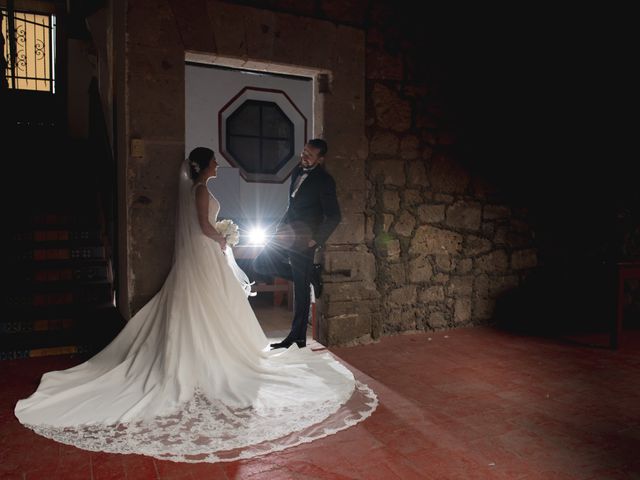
(296, 264)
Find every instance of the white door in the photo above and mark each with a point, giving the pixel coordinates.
(257, 123)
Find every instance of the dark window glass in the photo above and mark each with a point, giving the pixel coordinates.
(260, 136)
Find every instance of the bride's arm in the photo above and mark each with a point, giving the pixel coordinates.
(202, 205)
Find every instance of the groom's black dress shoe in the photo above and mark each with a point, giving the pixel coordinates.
(287, 343)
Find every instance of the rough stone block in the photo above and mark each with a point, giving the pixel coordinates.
(420, 269)
(386, 221)
(385, 143)
(483, 308)
(155, 30)
(411, 198)
(462, 310)
(390, 201)
(349, 231)
(437, 320)
(156, 94)
(369, 222)
(443, 198)
(361, 307)
(387, 246)
(464, 215)
(481, 286)
(476, 245)
(391, 172)
(460, 286)
(383, 66)
(402, 296)
(351, 201)
(464, 266)
(443, 262)
(404, 224)
(524, 259)
(431, 213)
(496, 261)
(502, 284)
(432, 294)
(350, 266)
(392, 273)
(409, 147)
(447, 176)
(493, 212)
(417, 174)
(432, 240)
(346, 328)
(392, 112)
(348, 291)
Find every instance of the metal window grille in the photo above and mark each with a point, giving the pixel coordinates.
(29, 50)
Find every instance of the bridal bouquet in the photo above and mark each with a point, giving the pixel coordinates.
(229, 231)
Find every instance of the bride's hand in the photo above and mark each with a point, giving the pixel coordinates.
(222, 242)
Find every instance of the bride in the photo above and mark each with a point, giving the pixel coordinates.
(191, 376)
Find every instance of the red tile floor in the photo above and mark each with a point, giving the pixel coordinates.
(472, 403)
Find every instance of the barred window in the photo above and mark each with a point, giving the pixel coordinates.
(29, 50)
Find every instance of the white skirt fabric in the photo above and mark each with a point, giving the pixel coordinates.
(191, 377)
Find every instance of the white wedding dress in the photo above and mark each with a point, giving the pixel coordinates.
(191, 377)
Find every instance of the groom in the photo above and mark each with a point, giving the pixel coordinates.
(312, 215)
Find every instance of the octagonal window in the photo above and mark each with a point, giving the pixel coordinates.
(260, 131)
(260, 137)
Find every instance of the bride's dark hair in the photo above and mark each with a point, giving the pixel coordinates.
(199, 159)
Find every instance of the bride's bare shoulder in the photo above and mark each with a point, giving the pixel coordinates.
(200, 187)
(202, 192)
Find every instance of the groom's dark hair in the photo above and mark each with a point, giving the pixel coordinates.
(320, 145)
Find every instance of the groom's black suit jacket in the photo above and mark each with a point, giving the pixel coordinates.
(313, 213)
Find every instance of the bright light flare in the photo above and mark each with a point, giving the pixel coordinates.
(257, 236)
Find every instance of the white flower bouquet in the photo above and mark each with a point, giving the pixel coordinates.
(229, 231)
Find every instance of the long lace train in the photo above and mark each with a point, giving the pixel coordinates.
(202, 430)
(191, 377)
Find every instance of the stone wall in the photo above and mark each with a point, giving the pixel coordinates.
(430, 238)
(160, 34)
(424, 243)
(445, 244)
(445, 250)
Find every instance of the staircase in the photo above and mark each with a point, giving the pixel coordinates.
(60, 293)
(60, 218)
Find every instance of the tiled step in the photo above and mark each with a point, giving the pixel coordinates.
(25, 313)
(53, 324)
(61, 220)
(17, 353)
(86, 331)
(98, 272)
(60, 286)
(42, 236)
(43, 339)
(97, 294)
(29, 254)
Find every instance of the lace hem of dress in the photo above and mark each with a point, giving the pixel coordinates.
(209, 431)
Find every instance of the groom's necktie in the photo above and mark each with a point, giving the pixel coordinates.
(299, 181)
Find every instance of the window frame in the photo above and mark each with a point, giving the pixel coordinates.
(290, 111)
(10, 53)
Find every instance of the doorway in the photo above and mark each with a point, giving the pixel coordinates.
(257, 122)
